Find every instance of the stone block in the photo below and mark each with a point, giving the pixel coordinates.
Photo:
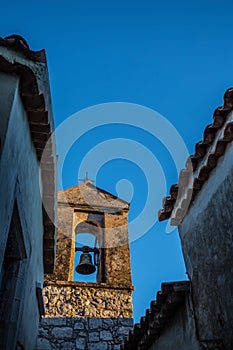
(80, 343)
(79, 325)
(62, 332)
(53, 321)
(93, 337)
(43, 332)
(105, 335)
(97, 346)
(109, 323)
(128, 322)
(68, 346)
(117, 347)
(123, 331)
(43, 344)
(95, 323)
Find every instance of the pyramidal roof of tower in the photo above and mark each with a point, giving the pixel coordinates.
(87, 194)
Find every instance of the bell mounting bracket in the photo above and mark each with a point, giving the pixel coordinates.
(86, 249)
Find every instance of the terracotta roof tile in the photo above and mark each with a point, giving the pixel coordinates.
(199, 165)
(160, 313)
(18, 43)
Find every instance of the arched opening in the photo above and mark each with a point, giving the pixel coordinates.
(88, 234)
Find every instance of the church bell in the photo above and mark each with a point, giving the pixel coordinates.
(85, 266)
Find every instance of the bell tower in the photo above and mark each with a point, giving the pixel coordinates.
(87, 209)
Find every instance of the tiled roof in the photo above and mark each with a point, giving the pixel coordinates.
(216, 137)
(161, 311)
(18, 43)
(41, 129)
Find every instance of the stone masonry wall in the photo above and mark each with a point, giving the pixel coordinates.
(82, 315)
(87, 300)
(74, 333)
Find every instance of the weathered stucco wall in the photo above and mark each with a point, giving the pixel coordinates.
(180, 333)
(19, 178)
(64, 246)
(83, 333)
(8, 85)
(207, 240)
(117, 253)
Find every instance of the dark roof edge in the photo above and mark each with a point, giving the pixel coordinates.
(17, 42)
(161, 311)
(194, 162)
(41, 129)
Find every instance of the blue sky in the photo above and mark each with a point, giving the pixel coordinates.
(173, 57)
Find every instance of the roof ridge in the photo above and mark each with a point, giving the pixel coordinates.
(71, 188)
(88, 183)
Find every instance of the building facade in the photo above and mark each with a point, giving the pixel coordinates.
(27, 240)
(97, 314)
(201, 317)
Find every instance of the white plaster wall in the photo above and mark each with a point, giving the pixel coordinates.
(8, 84)
(207, 242)
(19, 178)
(180, 333)
(205, 196)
